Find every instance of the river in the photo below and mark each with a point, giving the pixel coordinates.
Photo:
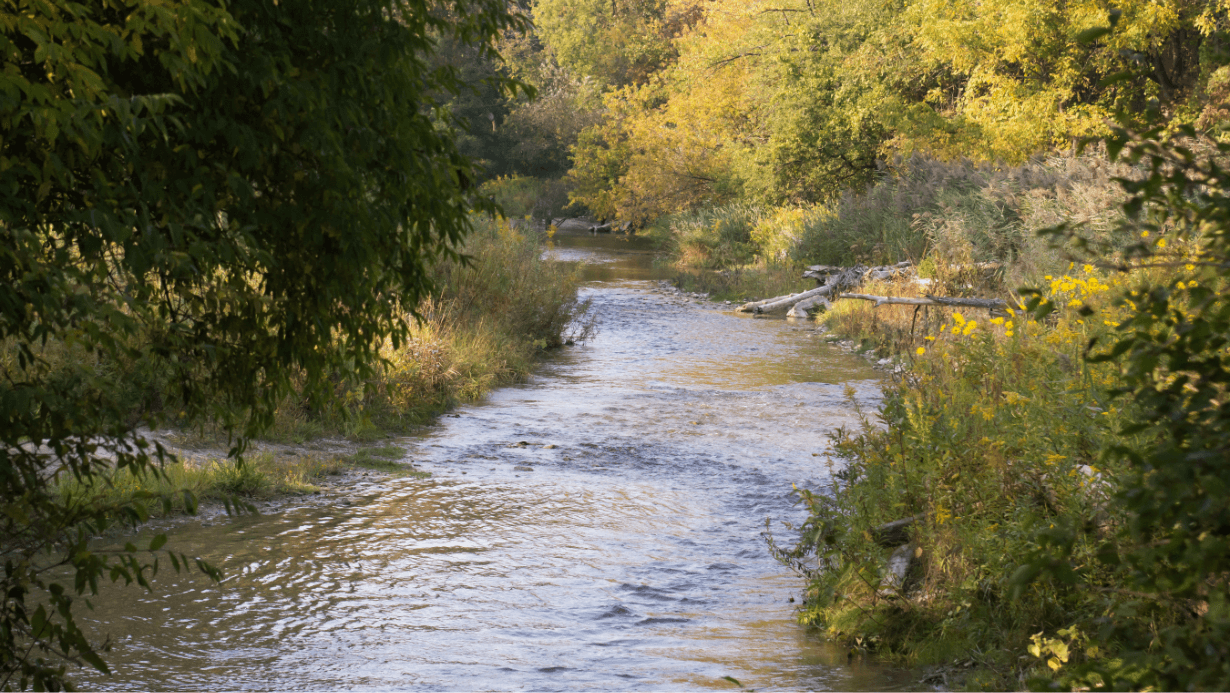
(630, 557)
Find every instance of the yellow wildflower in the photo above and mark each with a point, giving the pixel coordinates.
(920, 351)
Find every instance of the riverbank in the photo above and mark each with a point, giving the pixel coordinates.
(490, 319)
(989, 433)
(983, 522)
(594, 527)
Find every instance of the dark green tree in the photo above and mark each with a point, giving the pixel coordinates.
(1169, 625)
(233, 198)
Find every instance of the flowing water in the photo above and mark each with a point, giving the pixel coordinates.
(630, 557)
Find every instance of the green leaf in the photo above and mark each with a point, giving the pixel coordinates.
(1089, 36)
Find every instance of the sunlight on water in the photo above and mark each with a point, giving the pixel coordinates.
(630, 557)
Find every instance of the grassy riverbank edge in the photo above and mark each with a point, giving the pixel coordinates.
(492, 317)
(1002, 448)
(988, 433)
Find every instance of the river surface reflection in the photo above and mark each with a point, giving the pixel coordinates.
(630, 557)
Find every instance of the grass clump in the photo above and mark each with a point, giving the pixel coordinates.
(966, 212)
(260, 476)
(385, 459)
(1012, 451)
(490, 317)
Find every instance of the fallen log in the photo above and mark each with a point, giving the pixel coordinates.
(821, 273)
(896, 533)
(771, 304)
(847, 278)
(802, 309)
(988, 303)
(838, 279)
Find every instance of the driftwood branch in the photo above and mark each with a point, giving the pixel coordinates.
(821, 273)
(802, 308)
(772, 304)
(988, 303)
(846, 278)
(834, 280)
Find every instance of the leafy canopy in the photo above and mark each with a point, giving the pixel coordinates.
(230, 198)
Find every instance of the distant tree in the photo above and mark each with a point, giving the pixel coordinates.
(234, 196)
(617, 42)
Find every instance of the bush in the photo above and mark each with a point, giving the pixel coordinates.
(524, 197)
(992, 440)
(1066, 465)
(490, 315)
(963, 212)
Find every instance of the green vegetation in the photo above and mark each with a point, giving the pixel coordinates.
(482, 327)
(1063, 462)
(219, 207)
(263, 475)
(271, 219)
(795, 104)
(385, 459)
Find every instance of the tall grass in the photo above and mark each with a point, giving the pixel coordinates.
(963, 212)
(951, 212)
(491, 315)
(993, 438)
(262, 475)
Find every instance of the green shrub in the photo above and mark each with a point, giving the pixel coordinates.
(992, 440)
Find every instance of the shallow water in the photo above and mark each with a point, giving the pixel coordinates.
(629, 558)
